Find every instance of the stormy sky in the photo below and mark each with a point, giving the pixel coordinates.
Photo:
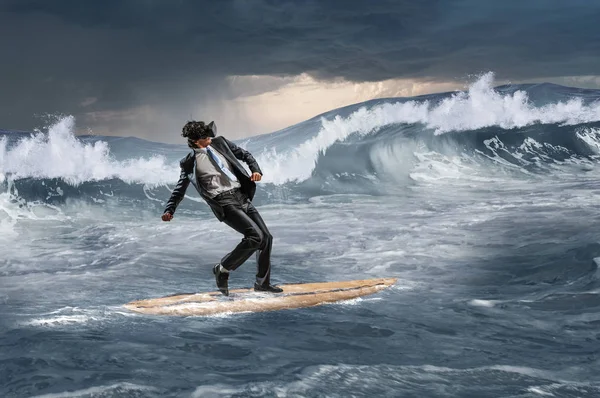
(144, 67)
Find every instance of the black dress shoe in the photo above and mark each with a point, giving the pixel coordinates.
(221, 278)
(267, 288)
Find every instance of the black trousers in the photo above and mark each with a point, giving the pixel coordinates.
(241, 215)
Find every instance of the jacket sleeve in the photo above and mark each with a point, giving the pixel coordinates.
(244, 155)
(178, 192)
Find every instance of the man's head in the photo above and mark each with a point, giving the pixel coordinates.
(199, 134)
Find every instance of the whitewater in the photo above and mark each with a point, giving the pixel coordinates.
(483, 203)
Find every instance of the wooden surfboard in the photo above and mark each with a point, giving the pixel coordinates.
(247, 300)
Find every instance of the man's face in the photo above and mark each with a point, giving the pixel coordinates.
(203, 142)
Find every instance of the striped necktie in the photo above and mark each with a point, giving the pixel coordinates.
(219, 163)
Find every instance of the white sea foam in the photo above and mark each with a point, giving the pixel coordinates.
(540, 391)
(478, 107)
(355, 301)
(591, 137)
(389, 380)
(67, 316)
(482, 106)
(59, 154)
(482, 303)
(99, 391)
(215, 390)
(60, 320)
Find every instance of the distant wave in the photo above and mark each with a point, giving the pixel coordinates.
(359, 148)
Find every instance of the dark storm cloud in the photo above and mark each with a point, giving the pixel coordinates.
(77, 57)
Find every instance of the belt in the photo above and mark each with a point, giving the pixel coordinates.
(230, 192)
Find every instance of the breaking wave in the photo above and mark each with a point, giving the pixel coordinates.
(372, 147)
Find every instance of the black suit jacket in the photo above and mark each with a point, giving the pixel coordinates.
(232, 153)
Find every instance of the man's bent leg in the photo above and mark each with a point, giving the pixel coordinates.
(237, 219)
(263, 255)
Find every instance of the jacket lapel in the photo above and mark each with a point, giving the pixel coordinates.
(192, 173)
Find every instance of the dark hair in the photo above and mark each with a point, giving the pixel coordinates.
(194, 131)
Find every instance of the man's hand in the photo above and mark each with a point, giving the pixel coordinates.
(167, 216)
(255, 177)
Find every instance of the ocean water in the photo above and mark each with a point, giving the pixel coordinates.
(483, 203)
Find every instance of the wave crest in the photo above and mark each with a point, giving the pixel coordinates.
(356, 149)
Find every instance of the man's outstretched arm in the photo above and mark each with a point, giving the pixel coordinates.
(176, 196)
(245, 156)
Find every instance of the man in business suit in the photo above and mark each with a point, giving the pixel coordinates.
(213, 168)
